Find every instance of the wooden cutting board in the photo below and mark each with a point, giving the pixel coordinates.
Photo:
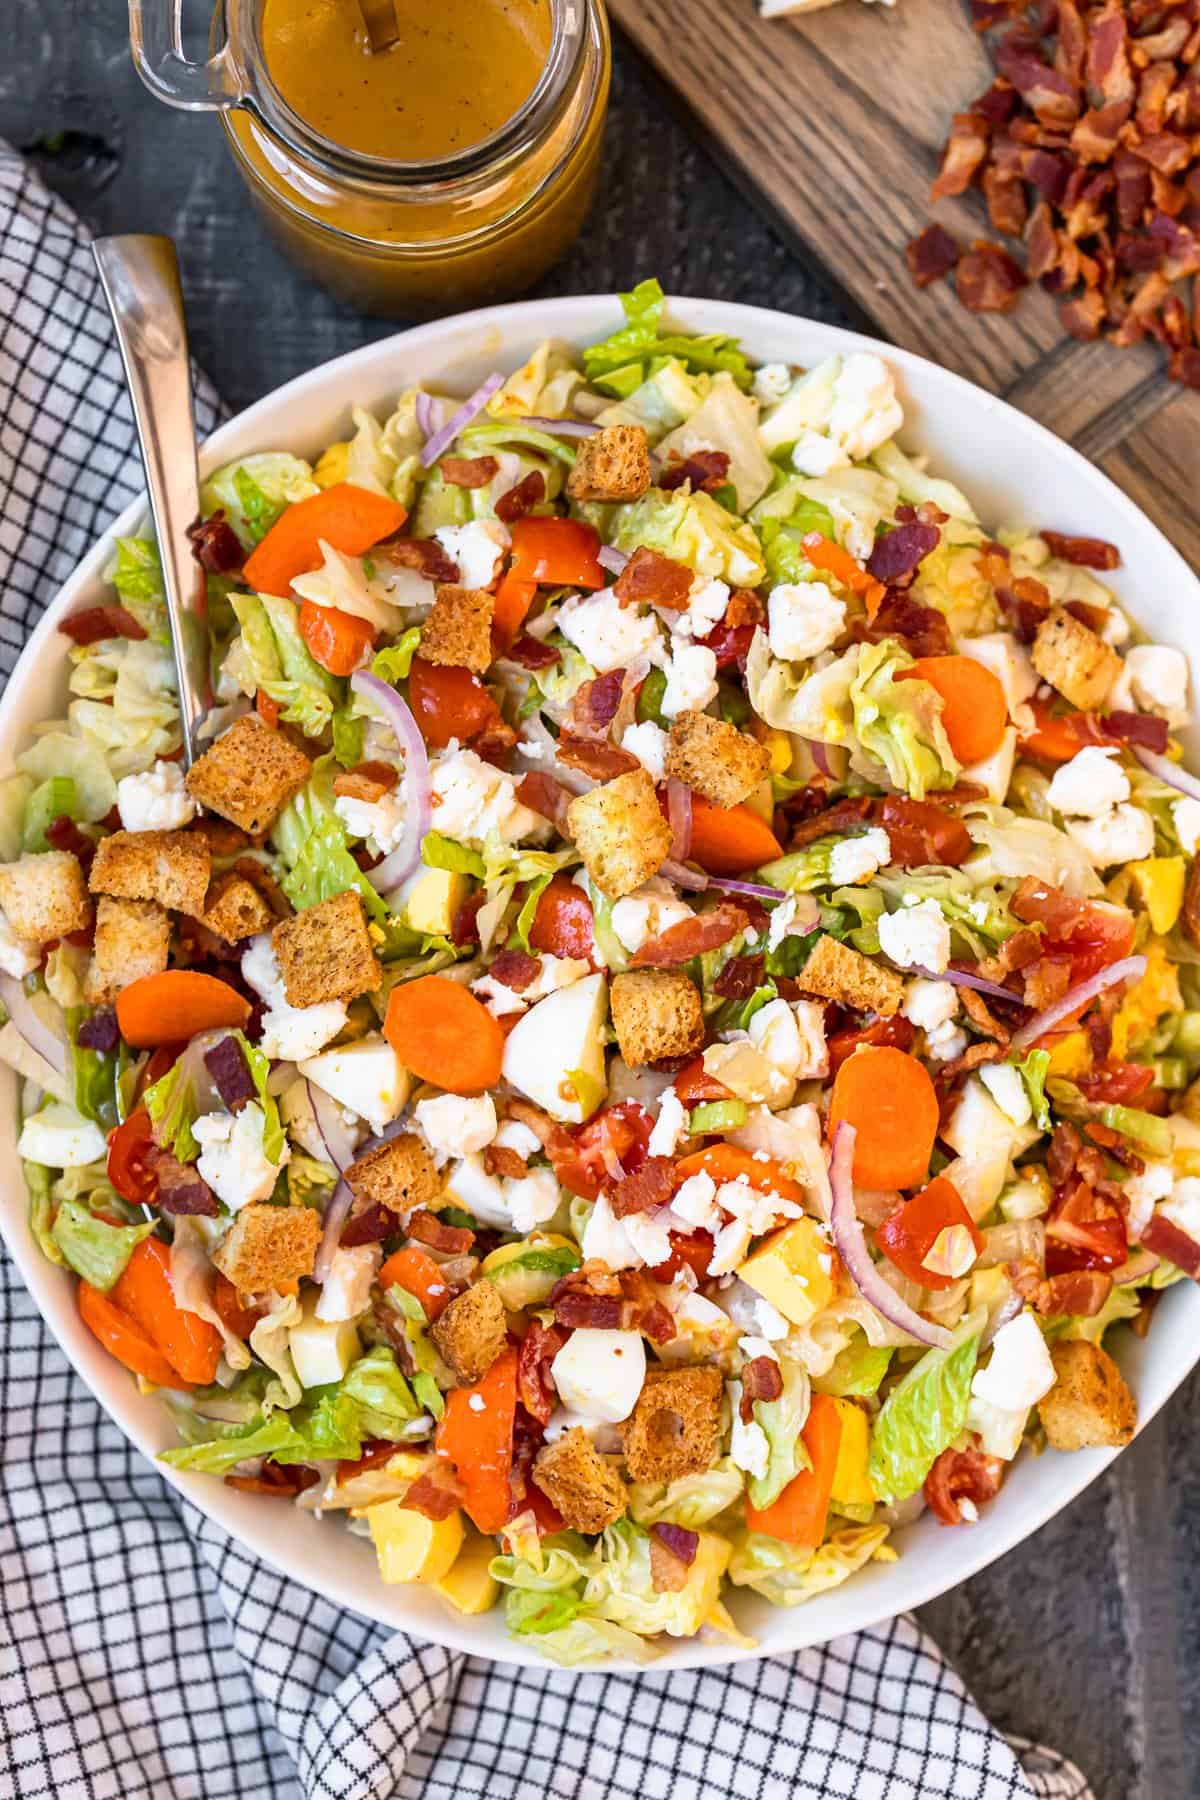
(836, 120)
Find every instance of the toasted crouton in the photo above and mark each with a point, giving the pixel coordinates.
(133, 938)
(620, 833)
(613, 464)
(1073, 659)
(400, 1174)
(268, 1246)
(44, 895)
(579, 1483)
(458, 630)
(172, 867)
(656, 1013)
(837, 972)
(715, 758)
(325, 952)
(472, 1331)
(235, 909)
(1090, 1402)
(675, 1428)
(249, 775)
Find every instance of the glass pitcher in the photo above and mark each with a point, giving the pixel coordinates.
(400, 237)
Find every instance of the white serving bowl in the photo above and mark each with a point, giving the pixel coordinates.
(1015, 472)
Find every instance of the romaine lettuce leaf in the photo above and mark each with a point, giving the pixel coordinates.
(691, 1500)
(920, 1418)
(858, 1369)
(96, 1250)
(899, 723)
(642, 336)
(253, 491)
(788, 1574)
(280, 663)
(782, 1422)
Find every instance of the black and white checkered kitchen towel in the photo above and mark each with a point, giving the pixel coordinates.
(142, 1652)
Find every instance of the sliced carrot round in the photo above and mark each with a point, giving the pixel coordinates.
(124, 1338)
(174, 1006)
(974, 709)
(443, 1034)
(416, 1272)
(889, 1099)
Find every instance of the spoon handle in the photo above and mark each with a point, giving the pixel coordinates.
(140, 278)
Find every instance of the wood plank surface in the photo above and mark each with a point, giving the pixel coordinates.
(837, 119)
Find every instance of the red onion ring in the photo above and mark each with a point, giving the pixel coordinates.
(683, 876)
(962, 978)
(1167, 772)
(335, 1134)
(335, 1217)
(442, 440)
(561, 427)
(755, 890)
(820, 756)
(40, 1037)
(395, 868)
(612, 559)
(852, 1248)
(679, 816)
(1130, 968)
(428, 412)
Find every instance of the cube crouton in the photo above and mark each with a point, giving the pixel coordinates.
(472, 1331)
(268, 1246)
(656, 1013)
(579, 1483)
(325, 952)
(458, 631)
(400, 1175)
(1073, 659)
(172, 867)
(715, 758)
(613, 464)
(235, 909)
(133, 938)
(837, 972)
(44, 895)
(249, 775)
(675, 1428)
(620, 833)
(1090, 1402)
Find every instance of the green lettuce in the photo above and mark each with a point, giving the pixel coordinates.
(1032, 1070)
(279, 662)
(789, 1574)
(95, 1075)
(96, 1250)
(255, 490)
(643, 336)
(660, 403)
(694, 529)
(915, 486)
(690, 1500)
(394, 663)
(41, 1210)
(438, 852)
(899, 723)
(858, 1369)
(782, 1421)
(727, 420)
(920, 1418)
(136, 573)
(311, 841)
(801, 871)
(384, 1398)
(50, 800)
(349, 733)
(171, 1103)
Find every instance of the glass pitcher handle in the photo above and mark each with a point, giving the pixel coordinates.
(156, 38)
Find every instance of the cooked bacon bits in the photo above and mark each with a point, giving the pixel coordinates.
(215, 545)
(706, 470)
(426, 1228)
(595, 704)
(425, 555)
(599, 760)
(542, 794)
(468, 471)
(691, 937)
(761, 1380)
(1089, 553)
(654, 580)
(514, 969)
(370, 1226)
(95, 623)
(650, 1186)
(435, 1494)
(582, 1310)
(1094, 121)
(898, 554)
(522, 498)
(535, 1384)
(531, 653)
(960, 1475)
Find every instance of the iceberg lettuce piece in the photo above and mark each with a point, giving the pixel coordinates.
(659, 404)
(280, 663)
(920, 1418)
(726, 420)
(96, 1250)
(857, 500)
(541, 387)
(807, 406)
(694, 529)
(311, 840)
(816, 705)
(621, 1588)
(253, 491)
(857, 1369)
(899, 723)
(14, 798)
(1009, 847)
(782, 1422)
(691, 1500)
(58, 753)
(915, 486)
(979, 914)
(788, 1574)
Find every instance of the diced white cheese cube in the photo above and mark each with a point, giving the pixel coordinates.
(691, 680)
(653, 909)
(1020, 1372)
(748, 1444)
(365, 1077)
(346, 1290)
(600, 1373)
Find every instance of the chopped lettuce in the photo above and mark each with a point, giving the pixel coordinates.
(1032, 1069)
(643, 336)
(171, 1103)
(253, 491)
(782, 1421)
(857, 1369)
(915, 486)
(813, 706)
(41, 1210)
(50, 800)
(136, 573)
(899, 723)
(920, 1418)
(280, 663)
(394, 663)
(693, 529)
(788, 1574)
(727, 420)
(1010, 847)
(660, 403)
(95, 1075)
(311, 840)
(378, 1388)
(96, 1250)
(690, 1500)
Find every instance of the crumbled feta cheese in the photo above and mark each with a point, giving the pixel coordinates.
(512, 1135)
(1020, 1372)
(1088, 785)
(1007, 1089)
(775, 1034)
(803, 618)
(346, 1290)
(456, 1125)
(670, 1126)
(705, 608)
(21, 956)
(1126, 834)
(289, 1033)
(532, 1199)
(470, 1186)
(855, 859)
(472, 801)
(601, 1373)
(691, 680)
(795, 916)
(647, 913)
(866, 412)
(758, 1210)
(730, 1247)
(1012, 665)
(155, 800)
(748, 1444)
(608, 634)
(648, 742)
(928, 1004)
(916, 935)
(1155, 1182)
(380, 822)
(815, 454)
(605, 1238)
(232, 1159)
(1186, 814)
(771, 382)
(1115, 629)
(554, 972)
(695, 1202)
(477, 549)
(650, 1235)
(814, 1051)
(1158, 677)
(945, 1043)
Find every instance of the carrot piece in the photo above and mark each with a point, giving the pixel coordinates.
(144, 1293)
(235, 1317)
(417, 1273)
(443, 1034)
(974, 709)
(824, 554)
(337, 640)
(124, 1338)
(889, 1099)
(728, 840)
(514, 597)
(478, 1440)
(798, 1515)
(1057, 737)
(351, 519)
(727, 1162)
(173, 1006)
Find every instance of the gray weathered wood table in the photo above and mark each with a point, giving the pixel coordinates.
(1088, 1636)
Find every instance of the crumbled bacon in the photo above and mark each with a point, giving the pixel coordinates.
(582, 1310)
(691, 937)
(988, 279)
(368, 781)
(599, 760)
(529, 492)
(898, 554)
(435, 1493)
(535, 1384)
(515, 969)
(705, 470)
(739, 978)
(468, 471)
(95, 623)
(531, 653)
(922, 629)
(426, 1228)
(215, 544)
(982, 1017)
(681, 1542)
(650, 1186)
(654, 580)
(960, 1475)
(370, 1226)
(761, 1380)
(501, 1159)
(180, 1188)
(966, 148)
(1088, 553)
(842, 816)
(543, 795)
(425, 555)
(595, 704)
(931, 255)
(276, 1480)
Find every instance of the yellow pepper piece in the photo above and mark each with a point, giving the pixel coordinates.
(332, 466)
(467, 1585)
(1159, 882)
(851, 1482)
(1070, 1056)
(1156, 994)
(411, 1547)
(796, 1270)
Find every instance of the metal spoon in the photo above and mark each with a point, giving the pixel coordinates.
(140, 277)
(383, 28)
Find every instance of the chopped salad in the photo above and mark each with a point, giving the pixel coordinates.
(659, 1038)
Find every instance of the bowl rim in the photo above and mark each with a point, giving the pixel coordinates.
(475, 335)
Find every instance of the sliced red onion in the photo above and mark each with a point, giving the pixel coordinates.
(820, 756)
(679, 815)
(961, 978)
(683, 876)
(1167, 771)
(1007, 1310)
(335, 1133)
(1130, 968)
(612, 559)
(40, 1036)
(561, 427)
(443, 438)
(429, 414)
(336, 1210)
(852, 1248)
(395, 868)
(753, 889)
